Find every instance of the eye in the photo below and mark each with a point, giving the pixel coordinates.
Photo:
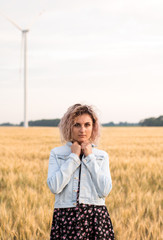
(87, 124)
(76, 125)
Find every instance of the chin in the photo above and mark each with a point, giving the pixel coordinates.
(82, 140)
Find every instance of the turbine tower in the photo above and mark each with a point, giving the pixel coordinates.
(24, 38)
(24, 32)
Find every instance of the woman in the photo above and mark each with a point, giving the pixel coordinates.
(79, 176)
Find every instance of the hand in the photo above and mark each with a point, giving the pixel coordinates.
(76, 148)
(86, 148)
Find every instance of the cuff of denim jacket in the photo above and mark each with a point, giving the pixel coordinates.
(89, 158)
(75, 157)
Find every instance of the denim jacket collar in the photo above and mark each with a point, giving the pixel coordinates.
(70, 143)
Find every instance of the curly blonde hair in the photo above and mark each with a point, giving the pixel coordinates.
(67, 121)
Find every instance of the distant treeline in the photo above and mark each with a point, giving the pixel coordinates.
(146, 122)
(54, 123)
(43, 123)
(152, 121)
(112, 124)
(37, 123)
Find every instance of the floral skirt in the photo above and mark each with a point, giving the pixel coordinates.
(85, 221)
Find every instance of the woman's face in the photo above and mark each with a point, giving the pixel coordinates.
(82, 128)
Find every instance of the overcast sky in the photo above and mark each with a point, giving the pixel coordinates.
(100, 52)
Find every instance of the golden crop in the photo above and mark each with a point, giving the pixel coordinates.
(134, 204)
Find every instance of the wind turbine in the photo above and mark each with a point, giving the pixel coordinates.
(24, 38)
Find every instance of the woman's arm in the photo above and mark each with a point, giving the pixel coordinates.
(100, 174)
(59, 176)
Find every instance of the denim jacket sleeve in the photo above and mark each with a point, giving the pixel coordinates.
(59, 176)
(100, 174)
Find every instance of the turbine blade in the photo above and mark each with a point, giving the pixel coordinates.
(11, 21)
(34, 20)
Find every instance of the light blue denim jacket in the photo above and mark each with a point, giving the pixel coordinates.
(63, 174)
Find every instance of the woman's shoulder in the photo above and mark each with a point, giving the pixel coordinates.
(100, 152)
(61, 150)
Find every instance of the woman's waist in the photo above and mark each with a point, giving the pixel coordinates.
(81, 203)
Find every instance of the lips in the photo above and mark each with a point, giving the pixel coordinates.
(82, 136)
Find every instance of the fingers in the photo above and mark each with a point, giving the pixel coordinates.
(76, 148)
(86, 148)
(85, 144)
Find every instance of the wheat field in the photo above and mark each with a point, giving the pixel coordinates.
(136, 163)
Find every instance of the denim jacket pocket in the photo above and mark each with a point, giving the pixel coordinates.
(61, 159)
(99, 159)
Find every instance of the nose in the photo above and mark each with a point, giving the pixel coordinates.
(82, 129)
